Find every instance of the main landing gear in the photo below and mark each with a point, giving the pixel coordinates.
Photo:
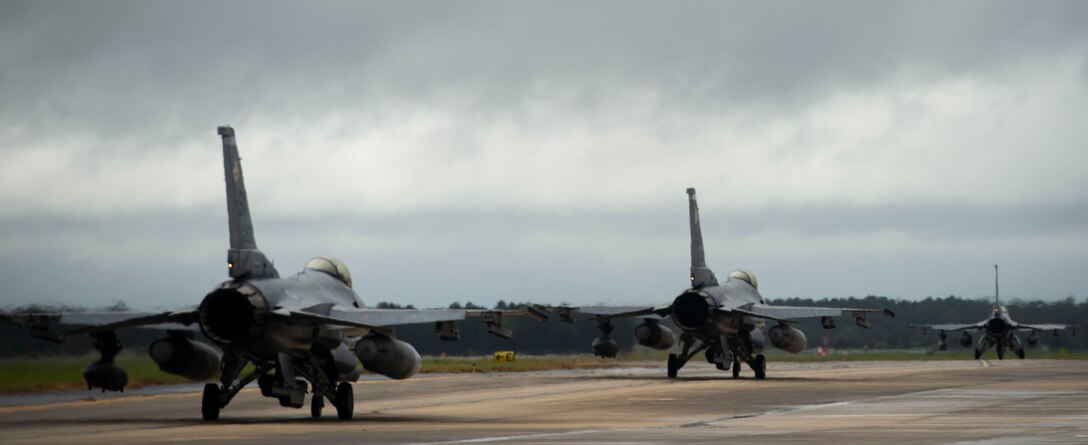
(738, 349)
(316, 403)
(282, 385)
(678, 361)
(759, 366)
(345, 401)
(210, 404)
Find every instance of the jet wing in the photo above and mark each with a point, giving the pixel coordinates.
(91, 322)
(372, 318)
(623, 311)
(789, 313)
(383, 319)
(949, 327)
(1043, 327)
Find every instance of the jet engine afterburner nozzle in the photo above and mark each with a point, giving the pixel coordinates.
(693, 309)
(234, 315)
(997, 327)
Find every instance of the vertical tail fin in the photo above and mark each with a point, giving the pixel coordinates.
(241, 225)
(700, 274)
(243, 259)
(997, 293)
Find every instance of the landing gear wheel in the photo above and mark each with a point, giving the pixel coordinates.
(265, 382)
(1001, 353)
(345, 401)
(674, 365)
(209, 404)
(1020, 353)
(759, 365)
(736, 369)
(316, 403)
(977, 354)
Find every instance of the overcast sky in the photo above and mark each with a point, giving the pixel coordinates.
(453, 151)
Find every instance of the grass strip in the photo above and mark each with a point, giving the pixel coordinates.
(41, 374)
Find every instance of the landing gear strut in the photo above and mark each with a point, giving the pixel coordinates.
(216, 396)
(678, 361)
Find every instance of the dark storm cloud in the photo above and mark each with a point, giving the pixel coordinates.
(167, 65)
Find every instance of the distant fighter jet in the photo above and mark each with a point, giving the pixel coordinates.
(996, 331)
(726, 319)
(309, 327)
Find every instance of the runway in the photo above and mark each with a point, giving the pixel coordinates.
(1011, 401)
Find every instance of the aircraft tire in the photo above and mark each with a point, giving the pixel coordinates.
(736, 369)
(345, 401)
(316, 403)
(759, 365)
(209, 404)
(1020, 353)
(265, 383)
(978, 354)
(674, 365)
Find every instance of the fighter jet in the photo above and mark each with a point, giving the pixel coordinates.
(726, 320)
(996, 331)
(301, 333)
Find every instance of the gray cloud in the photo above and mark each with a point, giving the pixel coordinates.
(134, 64)
(540, 150)
(431, 259)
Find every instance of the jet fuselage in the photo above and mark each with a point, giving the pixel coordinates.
(241, 315)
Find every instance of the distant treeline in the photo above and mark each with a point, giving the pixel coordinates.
(556, 337)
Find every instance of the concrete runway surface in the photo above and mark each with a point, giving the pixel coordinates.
(1011, 401)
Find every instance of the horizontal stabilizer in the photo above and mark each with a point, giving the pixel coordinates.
(365, 317)
(786, 313)
(619, 311)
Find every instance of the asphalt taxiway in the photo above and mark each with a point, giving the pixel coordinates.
(1011, 401)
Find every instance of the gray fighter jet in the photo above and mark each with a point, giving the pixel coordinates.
(301, 333)
(998, 331)
(724, 320)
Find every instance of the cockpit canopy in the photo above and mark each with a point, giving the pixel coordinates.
(332, 266)
(746, 277)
